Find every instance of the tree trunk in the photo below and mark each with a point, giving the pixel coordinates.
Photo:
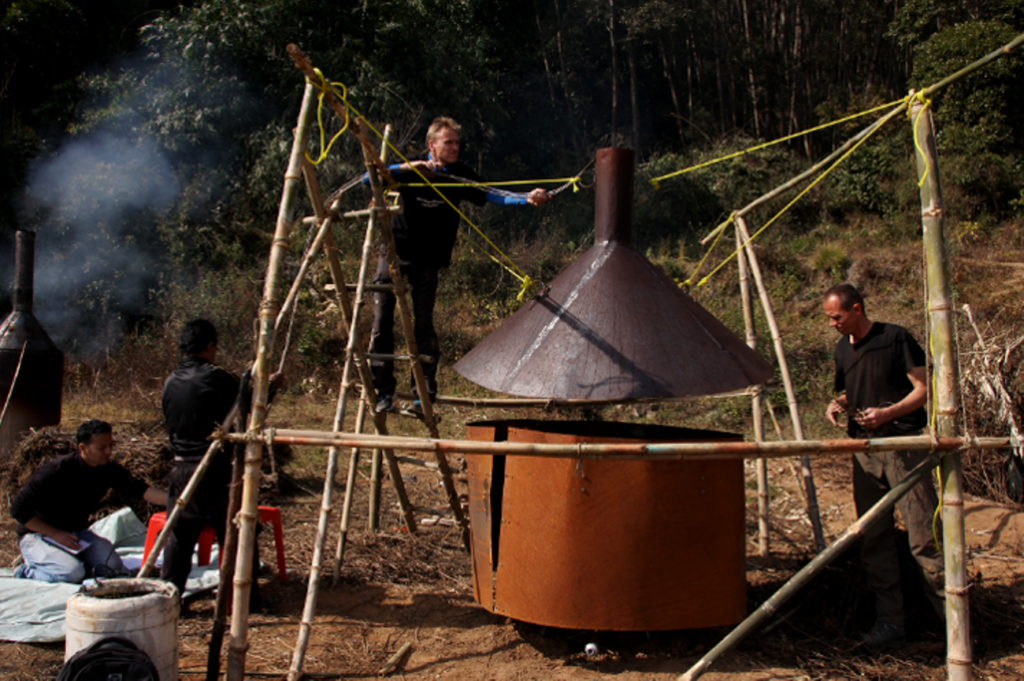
(667, 72)
(615, 71)
(634, 96)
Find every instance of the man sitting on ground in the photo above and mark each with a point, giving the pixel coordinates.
(53, 510)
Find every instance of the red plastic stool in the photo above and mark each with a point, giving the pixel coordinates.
(268, 514)
(205, 543)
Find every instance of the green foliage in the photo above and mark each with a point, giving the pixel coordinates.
(681, 210)
(831, 259)
(980, 130)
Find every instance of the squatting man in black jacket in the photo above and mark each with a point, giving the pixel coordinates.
(53, 510)
(197, 398)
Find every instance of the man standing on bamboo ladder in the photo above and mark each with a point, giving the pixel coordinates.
(882, 378)
(425, 234)
(197, 398)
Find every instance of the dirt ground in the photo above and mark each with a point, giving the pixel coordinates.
(397, 588)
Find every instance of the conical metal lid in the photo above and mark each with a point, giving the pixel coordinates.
(612, 326)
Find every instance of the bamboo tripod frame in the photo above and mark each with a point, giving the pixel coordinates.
(257, 436)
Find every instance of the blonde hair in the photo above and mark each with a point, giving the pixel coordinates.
(439, 124)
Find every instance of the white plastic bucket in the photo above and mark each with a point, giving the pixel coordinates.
(144, 611)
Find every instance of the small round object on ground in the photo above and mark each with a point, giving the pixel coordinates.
(591, 649)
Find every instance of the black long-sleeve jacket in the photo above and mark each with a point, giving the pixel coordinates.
(197, 398)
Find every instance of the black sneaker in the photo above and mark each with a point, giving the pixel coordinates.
(385, 404)
(884, 636)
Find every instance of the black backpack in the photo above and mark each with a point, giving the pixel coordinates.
(109, 659)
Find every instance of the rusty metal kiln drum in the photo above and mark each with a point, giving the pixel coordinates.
(31, 366)
(606, 545)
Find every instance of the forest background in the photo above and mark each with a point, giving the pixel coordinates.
(145, 142)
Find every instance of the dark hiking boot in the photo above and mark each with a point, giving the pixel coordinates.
(884, 636)
(385, 404)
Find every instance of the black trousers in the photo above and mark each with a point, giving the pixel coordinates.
(423, 282)
(208, 506)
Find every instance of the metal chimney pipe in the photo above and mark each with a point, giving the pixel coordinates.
(24, 269)
(613, 195)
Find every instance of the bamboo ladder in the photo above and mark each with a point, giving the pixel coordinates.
(356, 363)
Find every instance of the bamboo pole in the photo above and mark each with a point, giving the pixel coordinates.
(794, 407)
(350, 486)
(227, 565)
(552, 403)
(639, 451)
(350, 326)
(373, 521)
(316, 565)
(760, 466)
(373, 512)
(801, 578)
(353, 358)
(945, 407)
(248, 514)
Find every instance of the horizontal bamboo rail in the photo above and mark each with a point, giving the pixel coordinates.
(511, 402)
(661, 451)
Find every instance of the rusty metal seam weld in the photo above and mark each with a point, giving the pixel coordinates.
(940, 307)
(953, 502)
(962, 663)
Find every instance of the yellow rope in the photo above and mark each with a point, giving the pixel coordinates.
(525, 280)
(927, 102)
(797, 198)
(320, 119)
(657, 180)
(574, 181)
(721, 231)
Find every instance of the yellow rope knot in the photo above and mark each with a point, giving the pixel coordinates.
(527, 287)
(926, 102)
(324, 87)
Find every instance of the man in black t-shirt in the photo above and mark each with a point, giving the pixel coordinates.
(425, 234)
(882, 378)
(53, 510)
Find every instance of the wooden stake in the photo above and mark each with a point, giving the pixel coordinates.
(794, 408)
(945, 407)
